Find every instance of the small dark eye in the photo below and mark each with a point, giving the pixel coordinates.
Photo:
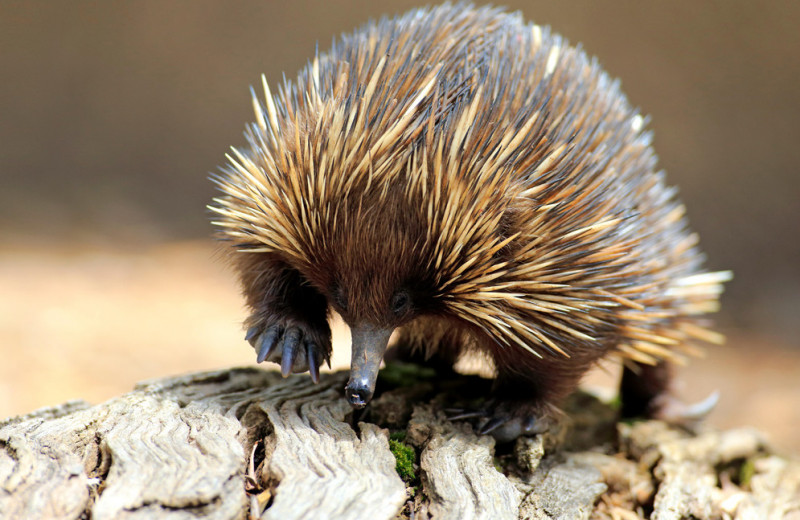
(401, 303)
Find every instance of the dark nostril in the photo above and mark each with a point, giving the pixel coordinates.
(358, 397)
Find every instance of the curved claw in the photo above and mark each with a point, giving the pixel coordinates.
(313, 362)
(677, 412)
(493, 424)
(268, 343)
(461, 414)
(504, 421)
(291, 340)
(701, 409)
(292, 346)
(252, 332)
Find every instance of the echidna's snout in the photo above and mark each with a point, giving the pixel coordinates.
(369, 345)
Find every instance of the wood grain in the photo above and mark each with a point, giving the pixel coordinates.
(458, 472)
(245, 443)
(325, 468)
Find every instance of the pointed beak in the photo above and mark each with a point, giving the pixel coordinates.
(369, 345)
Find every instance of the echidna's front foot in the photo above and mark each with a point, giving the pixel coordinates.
(295, 347)
(506, 420)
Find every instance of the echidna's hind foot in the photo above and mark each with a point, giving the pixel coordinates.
(674, 411)
(646, 392)
(506, 420)
(295, 346)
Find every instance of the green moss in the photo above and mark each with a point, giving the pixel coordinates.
(616, 403)
(746, 472)
(497, 465)
(404, 456)
(398, 436)
(399, 374)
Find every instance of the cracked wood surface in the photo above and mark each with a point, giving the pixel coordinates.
(245, 443)
(459, 475)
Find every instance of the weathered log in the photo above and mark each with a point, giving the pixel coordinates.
(245, 443)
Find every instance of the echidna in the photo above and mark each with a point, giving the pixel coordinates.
(478, 184)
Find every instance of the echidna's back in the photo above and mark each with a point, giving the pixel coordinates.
(516, 101)
(541, 112)
(503, 163)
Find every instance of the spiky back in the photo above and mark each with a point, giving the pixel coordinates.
(519, 178)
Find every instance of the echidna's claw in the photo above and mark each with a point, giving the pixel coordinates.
(675, 411)
(293, 348)
(459, 414)
(701, 409)
(269, 341)
(504, 420)
(493, 424)
(252, 332)
(507, 426)
(313, 362)
(291, 339)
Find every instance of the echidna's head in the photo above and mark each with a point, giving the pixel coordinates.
(375, 277)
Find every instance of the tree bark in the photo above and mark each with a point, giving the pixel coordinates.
(245, 443)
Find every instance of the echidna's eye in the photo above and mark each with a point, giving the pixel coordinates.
(401, 303)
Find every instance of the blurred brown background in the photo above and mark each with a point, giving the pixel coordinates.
(113, 113)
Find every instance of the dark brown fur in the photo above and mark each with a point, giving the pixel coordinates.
(477, 183)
